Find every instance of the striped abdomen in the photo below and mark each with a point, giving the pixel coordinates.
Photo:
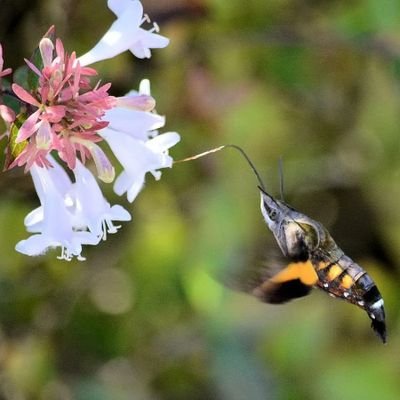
(347, 280)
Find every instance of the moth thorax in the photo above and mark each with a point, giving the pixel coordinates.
(301, 239)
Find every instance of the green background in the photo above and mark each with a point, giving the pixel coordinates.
(314, 82)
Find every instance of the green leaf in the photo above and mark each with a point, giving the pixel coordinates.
(21, 76)
(12, 102)
(14, 149)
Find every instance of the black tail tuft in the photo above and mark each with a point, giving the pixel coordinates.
(379, 328)
(374, 307)
(377, 314)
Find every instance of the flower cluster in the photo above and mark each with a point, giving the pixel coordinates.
(68, 112)
(65, 120)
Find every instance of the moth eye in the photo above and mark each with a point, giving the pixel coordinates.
(271, 212)
(273, 215)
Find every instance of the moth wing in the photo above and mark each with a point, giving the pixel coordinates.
(275, 281)
(294, 280)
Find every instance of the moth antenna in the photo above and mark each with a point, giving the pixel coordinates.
(234, 146)
(281, 180)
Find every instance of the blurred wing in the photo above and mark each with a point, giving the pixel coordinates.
(294, 280)
(274, 281)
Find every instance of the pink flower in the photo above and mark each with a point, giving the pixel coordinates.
(68, 112)
(6, 113)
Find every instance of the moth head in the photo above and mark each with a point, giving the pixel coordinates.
(271, 210)
(296, 234)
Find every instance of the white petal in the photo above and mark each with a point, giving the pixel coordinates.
(140, 51)
(164, 141)
(59, 176)
(131, 185)
(56, 176)
(157, 174)
(53, 222)
(135, 123)
(118, 6)
(35, 245)
(33, 221)
(138, 158)
(144, 87)
(92, 209)
(146, 40)
(152, 40)
(133, 154)
(135, 188)
(121, 183)
(119, 38)
(38, 182)
(89, 200)
(119, 213)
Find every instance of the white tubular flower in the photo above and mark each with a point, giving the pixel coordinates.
(60, 179)
(125, 34)
(128, 118)
(134, 140)
(136, 124)
(55, 228)
(137, 158)
(92, 210)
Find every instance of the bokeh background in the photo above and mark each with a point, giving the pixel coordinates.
(314, 82)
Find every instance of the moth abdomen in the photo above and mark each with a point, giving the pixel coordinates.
(348, 280)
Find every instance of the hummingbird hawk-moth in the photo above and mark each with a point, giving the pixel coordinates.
(313, 260)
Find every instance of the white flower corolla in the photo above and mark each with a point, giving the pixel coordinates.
(134, 140)
(70, 214)
(125, 34)
(145, 40)
(91, 209)
(138, 157)
(136, 124)
(60, 179)
(139, 124)
(56, 227)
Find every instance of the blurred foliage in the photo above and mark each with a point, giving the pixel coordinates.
(316, 82)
